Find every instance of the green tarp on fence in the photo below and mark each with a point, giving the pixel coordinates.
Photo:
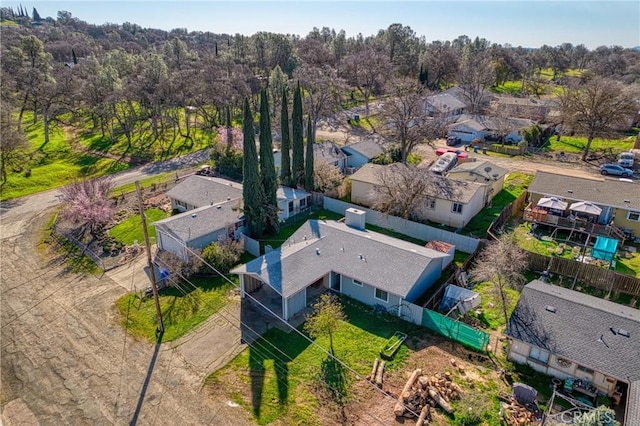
(455, 330)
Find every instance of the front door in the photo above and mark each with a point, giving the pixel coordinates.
(336, 282)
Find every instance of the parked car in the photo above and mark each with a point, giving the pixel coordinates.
(615, 170)
(453, 140)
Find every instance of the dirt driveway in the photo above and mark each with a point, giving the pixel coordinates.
(66, 360)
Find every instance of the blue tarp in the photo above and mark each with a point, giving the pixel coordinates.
(605, 248)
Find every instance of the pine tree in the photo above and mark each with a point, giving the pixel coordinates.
(268, 176)
(252, 192)
(285, 166)
(228, 128)
(36, 15)
(308, 160)
(297, 169)
(75, 59)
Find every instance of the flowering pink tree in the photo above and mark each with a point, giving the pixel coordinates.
(87, 201)
(231, 137)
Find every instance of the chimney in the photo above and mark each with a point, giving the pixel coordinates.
(356, 218)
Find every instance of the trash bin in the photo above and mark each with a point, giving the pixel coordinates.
(475, 149)
(356, 117)
(484, 149)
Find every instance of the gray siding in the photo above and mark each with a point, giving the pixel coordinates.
(296, 303)
(355, 159)
(365, 294)
(427, 279)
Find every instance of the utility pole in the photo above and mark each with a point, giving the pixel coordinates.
(152, 271)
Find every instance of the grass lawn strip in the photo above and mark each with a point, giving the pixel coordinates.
(130, 230)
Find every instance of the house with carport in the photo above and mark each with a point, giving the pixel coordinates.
(345, 258)
(571, 335)
(445, 201)
(444, 105)
(471, 127)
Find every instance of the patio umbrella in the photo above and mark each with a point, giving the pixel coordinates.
(585, 207)
(552, 203)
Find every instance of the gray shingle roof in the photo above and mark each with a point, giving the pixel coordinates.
(369, 149)
(485, 122)
(445, 102)
(479, 168)
(577, 325)
(604, 192)
(201, 191)
(389, 264)
(202, 221)
(441, 188)
(327, 151)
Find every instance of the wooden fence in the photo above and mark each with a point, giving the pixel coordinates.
(510, 210)
(592, 275)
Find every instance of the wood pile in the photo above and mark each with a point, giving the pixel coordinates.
(516, 414)
(422, 392)
(377, 373)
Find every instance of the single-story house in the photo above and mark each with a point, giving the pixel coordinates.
(292, 201)
(485, 173)
(200, 227)
(462, 95)
(372, 268)
(619, 200)
(534, 109)
(199, 191)
(568, 334)
(326, 151)
(361, 153)
(444, 105)
(470, 127)
(446, 201)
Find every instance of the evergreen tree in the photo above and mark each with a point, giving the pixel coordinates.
(268, 176)
(73, 55)
(308, 160)
(229, 131)
(36, 15)
(252, 192)
(297, 169)
(285, 166)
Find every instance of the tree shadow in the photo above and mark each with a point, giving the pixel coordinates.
(333, 377)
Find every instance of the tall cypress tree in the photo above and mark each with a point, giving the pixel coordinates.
(308, 160)
(229, 131)
(268, 177)
(252, 191)
(285, 166)
(297, 169)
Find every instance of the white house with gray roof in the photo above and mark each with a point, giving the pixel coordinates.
(568, 334)
(361, 153)
(199, 191)
(326, 255)
(470, 127)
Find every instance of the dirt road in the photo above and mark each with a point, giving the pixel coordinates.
(66, 360)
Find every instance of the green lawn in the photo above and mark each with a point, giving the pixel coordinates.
(130, 229)
(514, 185)
(509, 88)
(180, 313)
(492, 315)
(576, 144)
(284, 384)
(53, 164)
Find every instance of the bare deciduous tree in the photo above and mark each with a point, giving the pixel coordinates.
(502, 263)
(14, 143)
(366, 69)
(595, 108)
(475, 76)
(406, 118)
(326, 177)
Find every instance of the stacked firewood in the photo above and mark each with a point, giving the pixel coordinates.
(422, 392)
(516, 414)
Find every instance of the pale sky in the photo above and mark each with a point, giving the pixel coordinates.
(519, 23)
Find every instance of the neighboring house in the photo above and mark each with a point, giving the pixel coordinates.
(443, 247)
(619, 200)
(447, 201)
(444, 105)
(198, 191)
(534, 109)
(200, 227)
(372, 268)
(292, 201)
(461, 94)
(567, 334)
(329, 152)
(361, 153)
(486, 173)
(470, 127)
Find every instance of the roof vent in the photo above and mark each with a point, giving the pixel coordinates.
(570, 191)
(218, 207)
(317, 251)
(622, 332)
(627, 201)
(194, 215)
(550, 308)
(304, 238)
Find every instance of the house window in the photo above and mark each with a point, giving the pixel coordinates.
(585, 369)
(456, 208)
(381, 295)
(539, 355)
(290, 206)
(431, 203)
(358, 283)
(303, 202)
(634, 216)
(181, 204)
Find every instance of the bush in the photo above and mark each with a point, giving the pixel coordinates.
(228, 162)
(222, 255)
